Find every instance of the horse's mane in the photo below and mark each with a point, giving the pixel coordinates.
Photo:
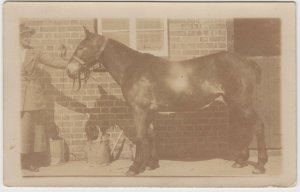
(135, 54)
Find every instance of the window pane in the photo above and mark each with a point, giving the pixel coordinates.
(115, 24)
(149, 24)
(150, 40)
(122, 37)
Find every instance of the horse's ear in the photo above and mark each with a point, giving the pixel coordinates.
(86, 32)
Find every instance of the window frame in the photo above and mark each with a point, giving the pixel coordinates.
(164, 52)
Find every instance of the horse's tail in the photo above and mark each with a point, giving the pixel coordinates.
(257, 70)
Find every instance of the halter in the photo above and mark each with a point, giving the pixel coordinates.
(85, 65)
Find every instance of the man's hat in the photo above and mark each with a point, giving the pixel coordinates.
(25, 29)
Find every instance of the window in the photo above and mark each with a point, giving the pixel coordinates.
(150, 34)
(117, 29)
(257, 37)
(147, 35)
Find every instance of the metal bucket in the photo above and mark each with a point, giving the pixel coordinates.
(57, 151)
(98, 152)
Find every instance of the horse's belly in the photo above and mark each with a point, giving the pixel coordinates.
(184, 102)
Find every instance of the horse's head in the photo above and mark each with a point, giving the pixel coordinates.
(86, 56)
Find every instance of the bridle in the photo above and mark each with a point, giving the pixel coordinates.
(84, 64)
(86, 68)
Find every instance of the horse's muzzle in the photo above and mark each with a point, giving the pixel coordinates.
(73, 70)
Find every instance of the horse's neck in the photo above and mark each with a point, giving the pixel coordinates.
(118, 57)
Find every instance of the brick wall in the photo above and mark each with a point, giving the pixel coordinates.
(61, 121)
(179, 135)
(190, 38)
(65, 106)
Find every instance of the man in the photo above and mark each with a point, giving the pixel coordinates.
(33, 131)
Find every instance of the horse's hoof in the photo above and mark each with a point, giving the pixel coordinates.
(149, 168)
(130, 173)
(259, 171)
(33, 169)
(238, 165)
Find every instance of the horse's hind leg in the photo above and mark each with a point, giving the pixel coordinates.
(250, 120)
(242, 138)
(258, 128)
(242, 158)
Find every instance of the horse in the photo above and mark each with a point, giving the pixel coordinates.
(151, 84)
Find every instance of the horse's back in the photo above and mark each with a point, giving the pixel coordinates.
(190, 83)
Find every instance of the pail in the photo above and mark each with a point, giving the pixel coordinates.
(57, 151)
(98, 152)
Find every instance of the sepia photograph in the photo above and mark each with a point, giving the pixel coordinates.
(154, 97)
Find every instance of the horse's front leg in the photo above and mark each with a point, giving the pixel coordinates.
(142, 142)
(153, 161)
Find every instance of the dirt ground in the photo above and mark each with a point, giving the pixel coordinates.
(210, 167)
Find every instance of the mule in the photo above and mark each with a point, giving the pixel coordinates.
(151, 84)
